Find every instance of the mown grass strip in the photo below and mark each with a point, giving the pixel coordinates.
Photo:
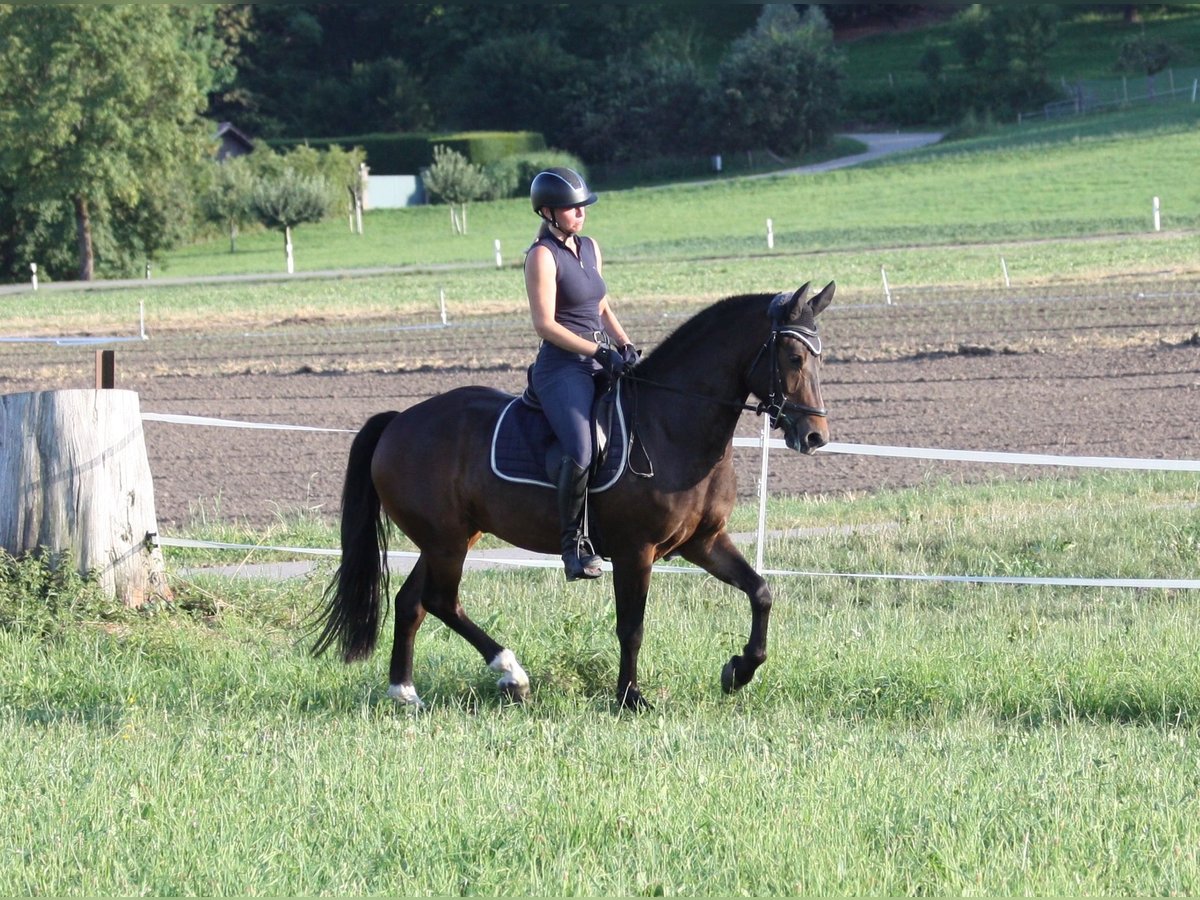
(902, 738)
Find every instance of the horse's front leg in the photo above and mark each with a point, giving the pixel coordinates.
(631, 584)
(720, 558)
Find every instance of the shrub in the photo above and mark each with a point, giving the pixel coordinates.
(511, 176)
(42, 592)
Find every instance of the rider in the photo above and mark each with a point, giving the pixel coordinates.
(581, 339)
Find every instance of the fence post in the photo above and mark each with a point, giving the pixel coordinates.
(1157, 216)
(770, 235)
(442, 303)
(887, 291)
(99, 502)
(1004, 268)
(499, 261)
(33, 270)
(762, 494)
(106, 370)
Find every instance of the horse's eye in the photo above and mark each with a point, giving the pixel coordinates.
(798, 361)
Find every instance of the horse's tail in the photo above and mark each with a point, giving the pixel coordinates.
(351, 615)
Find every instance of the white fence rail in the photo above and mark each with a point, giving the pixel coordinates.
(765, 444)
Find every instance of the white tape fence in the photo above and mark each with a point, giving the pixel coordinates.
(765, 444)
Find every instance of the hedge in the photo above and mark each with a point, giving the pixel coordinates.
(409, 153)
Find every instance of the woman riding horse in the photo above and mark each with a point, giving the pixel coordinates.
(581, 338)
(428, 470)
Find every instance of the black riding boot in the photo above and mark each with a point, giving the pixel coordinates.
(579, 559)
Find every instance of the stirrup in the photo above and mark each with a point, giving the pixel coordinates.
(582, 562)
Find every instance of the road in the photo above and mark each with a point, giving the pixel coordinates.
(878, 145)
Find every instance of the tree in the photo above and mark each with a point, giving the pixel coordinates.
(100, 112)
(226, 199)
(343, 169)
(535, 77)
(1004, 48)
(639, 106)
(453, 178)
(289, 199)
(779, 84)
(1145, 54)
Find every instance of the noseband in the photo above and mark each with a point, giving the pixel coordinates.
(777, 406)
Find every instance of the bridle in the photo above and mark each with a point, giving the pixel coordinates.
(777, 405)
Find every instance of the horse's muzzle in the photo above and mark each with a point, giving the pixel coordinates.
(806, 434)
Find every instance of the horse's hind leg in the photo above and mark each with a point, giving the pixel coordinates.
(409, 616)
(440, 598)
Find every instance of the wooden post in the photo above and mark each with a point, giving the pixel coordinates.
(74, 476)
(106, 370)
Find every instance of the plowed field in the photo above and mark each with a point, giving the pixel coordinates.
(1108, 369)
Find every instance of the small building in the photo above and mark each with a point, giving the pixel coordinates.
(233, 142)
(392, 191)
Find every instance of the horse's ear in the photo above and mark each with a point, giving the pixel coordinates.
(800, 296)
(823, 299)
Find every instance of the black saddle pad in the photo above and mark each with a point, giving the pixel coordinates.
(523, 438)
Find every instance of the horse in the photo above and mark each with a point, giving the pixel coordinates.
(427, 470)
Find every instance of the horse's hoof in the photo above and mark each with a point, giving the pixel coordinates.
(728, 677)
(514, 683)
(633, 700)
(514, 692)
(406, 695)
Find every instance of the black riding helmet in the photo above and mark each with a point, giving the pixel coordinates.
(559, 188)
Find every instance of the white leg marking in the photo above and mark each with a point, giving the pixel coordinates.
(406, 694)
(514, 675)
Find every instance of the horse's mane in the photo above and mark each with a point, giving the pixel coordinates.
(715, 320)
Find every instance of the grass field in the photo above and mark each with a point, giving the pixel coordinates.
(903, 738)
(1087, 47)
(1075, 186)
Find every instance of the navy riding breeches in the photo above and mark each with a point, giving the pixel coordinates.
(565, 384)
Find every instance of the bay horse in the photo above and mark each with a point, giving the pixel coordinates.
(427, 469)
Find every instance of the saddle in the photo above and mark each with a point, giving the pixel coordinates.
(525, 450)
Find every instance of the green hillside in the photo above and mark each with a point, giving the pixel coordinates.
(1085, 52)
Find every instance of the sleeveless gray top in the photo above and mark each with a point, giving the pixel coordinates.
(580, 287)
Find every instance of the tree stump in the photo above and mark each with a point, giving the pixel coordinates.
(74, 477)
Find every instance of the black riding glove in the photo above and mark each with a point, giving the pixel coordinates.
(610, 361)
(631, 354)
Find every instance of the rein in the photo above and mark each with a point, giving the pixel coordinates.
(775, 405)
